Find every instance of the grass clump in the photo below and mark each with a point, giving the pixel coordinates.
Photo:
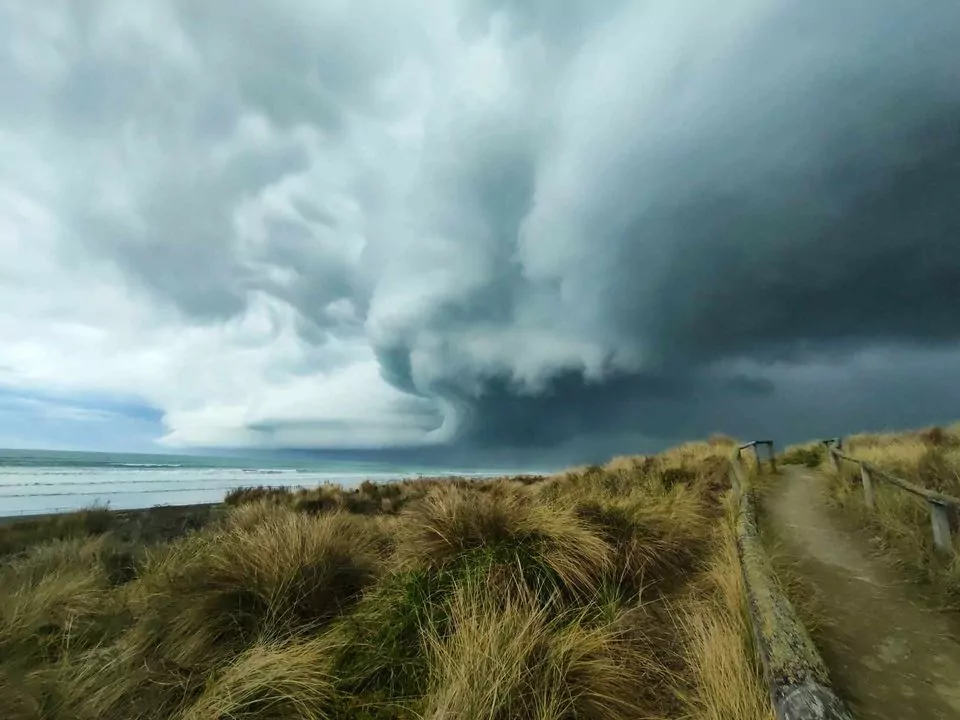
(368, 498)
(241, 495)
(271, 681)
(508, 656)
(212, 594)
(58, 597)
(92, 521)
(452, 522)
(810, 455)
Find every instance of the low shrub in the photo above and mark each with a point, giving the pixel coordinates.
(810, 455)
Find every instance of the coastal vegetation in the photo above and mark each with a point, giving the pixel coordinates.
(900, 522)
(601, 592)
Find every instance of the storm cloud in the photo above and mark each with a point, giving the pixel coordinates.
(592, 225)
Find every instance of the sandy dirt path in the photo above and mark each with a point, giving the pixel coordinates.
(890, 654)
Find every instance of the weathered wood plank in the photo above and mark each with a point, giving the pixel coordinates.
(797, 676)
(868, 496)
(771, 452)
(940, 522)
(877, 473)
(835, 457)
(810, 701)
(736, 476)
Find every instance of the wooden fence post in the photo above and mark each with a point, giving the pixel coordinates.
(833, 456)
(773, 461)
(756, 454)
(867, 487)
(940, 521)
(735, 478)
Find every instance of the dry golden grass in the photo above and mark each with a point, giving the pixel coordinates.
(655, 536)
(519, 597)
(505, 655)
(812, 454)
(656, 515)
(57, 597)
(211, 594)
(727, 678)
(116, 682)
(249, 515)
(452, 521)
(16, 537)
(271, 681)
(621, 463)
(912, 456)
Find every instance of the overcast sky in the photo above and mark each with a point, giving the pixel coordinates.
(597, 226)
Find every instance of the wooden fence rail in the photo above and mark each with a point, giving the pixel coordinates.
(939, 504)
(755, 444)
(796, 675)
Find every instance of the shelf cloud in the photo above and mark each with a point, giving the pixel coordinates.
(483, 225)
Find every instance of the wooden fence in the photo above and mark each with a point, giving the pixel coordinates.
(939, 504)
(756, 445)
(796, 674)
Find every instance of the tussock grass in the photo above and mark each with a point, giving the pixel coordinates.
(210, 595)
(368, 498)
(59, 596)
(508, 656)
(249, 515)
(259, 493)
(655, 516)
(577, 595)
(451, 522)
(115, 681)
(19, 536)
(138, 528)
(912, 457)
(271, 681)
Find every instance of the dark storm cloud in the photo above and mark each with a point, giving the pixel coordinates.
(870, 256)
(789, 192)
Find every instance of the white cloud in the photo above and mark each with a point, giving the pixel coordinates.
(179, 200)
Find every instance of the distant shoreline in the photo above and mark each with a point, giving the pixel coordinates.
(6, 518)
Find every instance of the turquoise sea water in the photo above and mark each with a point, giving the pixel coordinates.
(39, 481)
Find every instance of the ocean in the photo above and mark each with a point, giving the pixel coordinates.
(45, 481)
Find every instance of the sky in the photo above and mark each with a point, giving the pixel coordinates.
(554, 227)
